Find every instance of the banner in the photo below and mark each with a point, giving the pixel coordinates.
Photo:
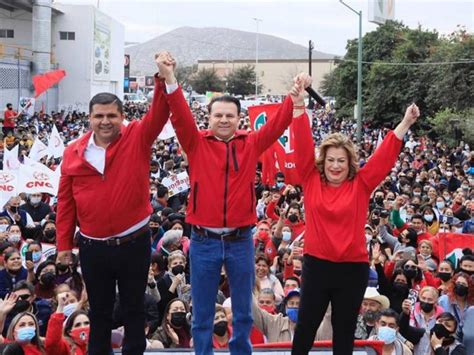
(38, 150)
(8, 185)
(176, 183)
(55, 144)
(450, 245)
(27, 105)
(37, 178)
(280, 156)
(381, 11)
(102, 40)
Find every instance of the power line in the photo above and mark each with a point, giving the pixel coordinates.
(466, 61)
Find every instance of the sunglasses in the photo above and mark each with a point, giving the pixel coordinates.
(23, 297)
(410, 267)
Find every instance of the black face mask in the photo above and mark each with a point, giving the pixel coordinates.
(21, 306)
(400, 288)
(410, 273)
(178, 269)
(461, 290)
(178, 319)
(154, 230)
(426, 307)
(470, 273)
(48, 278)
(297, 272)
(371, 316)
(62, 267)
(14, 209)
(220, 328)
(379, 200)
(440, 331)
(293, 196)
(375, 221)
(50, 234)
(445, 276)
(293, 218)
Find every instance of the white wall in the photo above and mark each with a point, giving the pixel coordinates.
(21, 24)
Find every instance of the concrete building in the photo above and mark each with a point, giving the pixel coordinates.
(274, 74)
(82, 40)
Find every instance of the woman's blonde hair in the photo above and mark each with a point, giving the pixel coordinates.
(36, 339)
(338, 140)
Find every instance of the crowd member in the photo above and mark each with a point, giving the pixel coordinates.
(266, 279)
(372, 305)
(24, 330)
(114, 242)
(222, 332)
(336, 260)
(13, 273)
(67, 334)
(36, 208)
(9, 118)
(445, 273)
(222, 233)
(174, 331)
(387, 330)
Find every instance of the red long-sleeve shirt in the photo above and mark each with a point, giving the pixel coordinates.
(336, 216)
(222, 174)
(107, 204)
(55, 343)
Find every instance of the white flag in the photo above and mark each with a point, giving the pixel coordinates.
(55, 144)
(36, 178)
(10, 159)
(379, 139)
(38, 150)
(167, 132)
(8, 185)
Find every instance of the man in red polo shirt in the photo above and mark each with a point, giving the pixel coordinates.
(9, 117)
(104, 189)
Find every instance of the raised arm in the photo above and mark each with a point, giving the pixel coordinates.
(386, 155)
(181, 115)
(154, 120)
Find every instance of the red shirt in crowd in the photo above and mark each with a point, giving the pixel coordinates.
(9, 118)
(336, 216)
(108, 204)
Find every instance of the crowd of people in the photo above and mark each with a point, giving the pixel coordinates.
(416, 303)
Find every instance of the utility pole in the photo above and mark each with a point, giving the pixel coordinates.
(310, 64)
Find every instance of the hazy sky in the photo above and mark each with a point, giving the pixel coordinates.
(327, 22)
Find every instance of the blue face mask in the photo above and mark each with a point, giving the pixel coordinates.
(387, 335)
(25, 334)
(292, 313)
(36, 256)
(280, 184)
(69, 309)
(286, 236)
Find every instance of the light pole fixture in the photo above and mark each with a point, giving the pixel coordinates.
(359, 73)
(257, 20)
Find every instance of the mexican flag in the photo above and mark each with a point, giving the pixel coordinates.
(451, 245)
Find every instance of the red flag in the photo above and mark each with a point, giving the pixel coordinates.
(279, 157)
(43, 82)
(451, 245)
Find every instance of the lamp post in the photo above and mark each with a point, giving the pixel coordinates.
(257, 20)
(359, 73)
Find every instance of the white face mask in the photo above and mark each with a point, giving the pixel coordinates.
(458, 230)
(35, 200)
(69, 309)
(3, 228)
(14, 238)
(286, 236)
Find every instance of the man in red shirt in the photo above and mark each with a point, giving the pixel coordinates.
(9, 118)
(222, 204)
(104, 189)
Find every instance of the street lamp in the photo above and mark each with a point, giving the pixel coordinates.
(257, 20)
(359, 73)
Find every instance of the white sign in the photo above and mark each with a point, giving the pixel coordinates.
(27, 105)
(167, 132)
(381, 11)
(176, 183)
(34, 179)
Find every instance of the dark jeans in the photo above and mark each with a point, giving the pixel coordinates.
(102, 268)
(342, 284)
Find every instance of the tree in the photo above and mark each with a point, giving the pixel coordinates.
(453, 126)
(206, 80)
(183, 75)
(242, 81)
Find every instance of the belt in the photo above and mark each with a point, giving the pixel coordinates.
(227, 237)
(116, 241)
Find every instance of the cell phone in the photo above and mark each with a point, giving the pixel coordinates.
(29, 256)
(412, 296)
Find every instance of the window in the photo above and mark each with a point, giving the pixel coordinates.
(67, 36)
(4, 33)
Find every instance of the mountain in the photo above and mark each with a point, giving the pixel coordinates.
(190, 44)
